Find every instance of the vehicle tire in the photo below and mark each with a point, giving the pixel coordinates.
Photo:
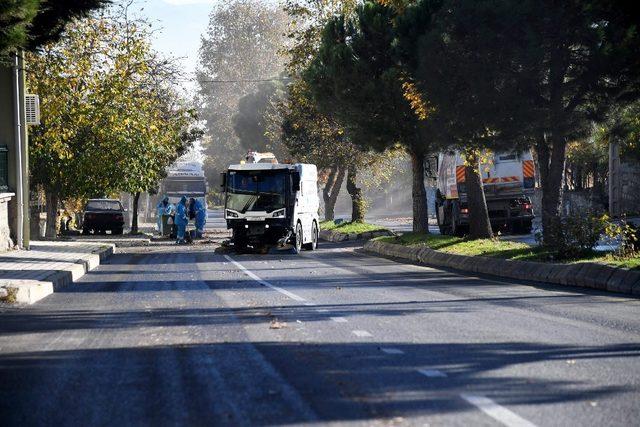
(524, 228)
(102, 231)
(297, 247)
(441, 227)
(453, 227)
(461, 230)
(86, 231)
(240, 246)
(314, 238)
(117, 231)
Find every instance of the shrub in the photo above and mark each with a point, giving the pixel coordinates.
(576, 234)
(625, 235)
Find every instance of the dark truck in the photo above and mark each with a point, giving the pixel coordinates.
(101, 215)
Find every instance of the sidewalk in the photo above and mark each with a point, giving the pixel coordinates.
(32, 275)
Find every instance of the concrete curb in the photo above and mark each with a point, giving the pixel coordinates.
(584, 275)
(336, 236)
(31, 291)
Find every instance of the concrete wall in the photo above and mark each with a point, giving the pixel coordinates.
(6, 242)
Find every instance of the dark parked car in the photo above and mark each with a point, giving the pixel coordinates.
(101, 215)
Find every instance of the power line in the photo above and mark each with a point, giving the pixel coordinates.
(275, 79)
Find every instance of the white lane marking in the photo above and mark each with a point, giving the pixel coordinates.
(362, 334)
(322, 310)
(495, 411)
(309, 304)
(391, 350)
(339, 319)
(264, 282)
(432, 373)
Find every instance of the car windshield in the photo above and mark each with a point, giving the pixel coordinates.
(103, 205)
(250, 191)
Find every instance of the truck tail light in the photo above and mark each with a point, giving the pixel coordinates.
(526, 206)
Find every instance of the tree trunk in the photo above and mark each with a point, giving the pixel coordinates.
(551, 161)
(331, 191)
(52, 215)
(134, 214)
(330, 204)
(419, 194)
(331, 179)
(479, 224)
(357, 201)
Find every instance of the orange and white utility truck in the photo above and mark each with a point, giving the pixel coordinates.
(509, 181)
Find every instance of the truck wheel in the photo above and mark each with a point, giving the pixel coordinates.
(298, 244)
(453, 226)
(240, 246)
(523, 228)
(117, 231)
(441, 227)
(314, 238)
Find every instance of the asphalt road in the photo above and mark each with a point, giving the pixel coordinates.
(182, 337)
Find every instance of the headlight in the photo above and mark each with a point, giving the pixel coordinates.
(279, 214)
(231, 214)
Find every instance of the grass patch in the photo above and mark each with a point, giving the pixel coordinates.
(350, 227)
(504, 249)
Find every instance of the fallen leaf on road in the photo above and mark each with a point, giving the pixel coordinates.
(277, 325)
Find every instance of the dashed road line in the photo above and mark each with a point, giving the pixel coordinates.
(362, 334)
(495, 411)
(388, 350)
(264, 282)
(339, 319)
(432, 373)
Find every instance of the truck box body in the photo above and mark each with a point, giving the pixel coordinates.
(508, 179)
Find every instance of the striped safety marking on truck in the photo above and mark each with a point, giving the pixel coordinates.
(490, 180)
(460, 174)
(528, 169)
(509, 179)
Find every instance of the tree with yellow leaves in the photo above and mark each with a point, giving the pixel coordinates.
(110, 118)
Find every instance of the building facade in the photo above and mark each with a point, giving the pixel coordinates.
(14, 173)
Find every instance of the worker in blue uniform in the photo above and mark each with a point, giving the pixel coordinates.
(161, 210)
(201, 217)
(181, 220)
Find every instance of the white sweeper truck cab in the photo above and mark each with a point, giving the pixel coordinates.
(269, 203)
(508, 179)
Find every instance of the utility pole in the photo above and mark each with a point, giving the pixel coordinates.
(18, 105)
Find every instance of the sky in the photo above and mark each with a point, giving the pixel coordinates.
(180, 24)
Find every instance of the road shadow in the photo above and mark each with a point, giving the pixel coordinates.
(236, 383)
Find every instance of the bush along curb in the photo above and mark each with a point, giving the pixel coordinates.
(584, 274)
(336, 236)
